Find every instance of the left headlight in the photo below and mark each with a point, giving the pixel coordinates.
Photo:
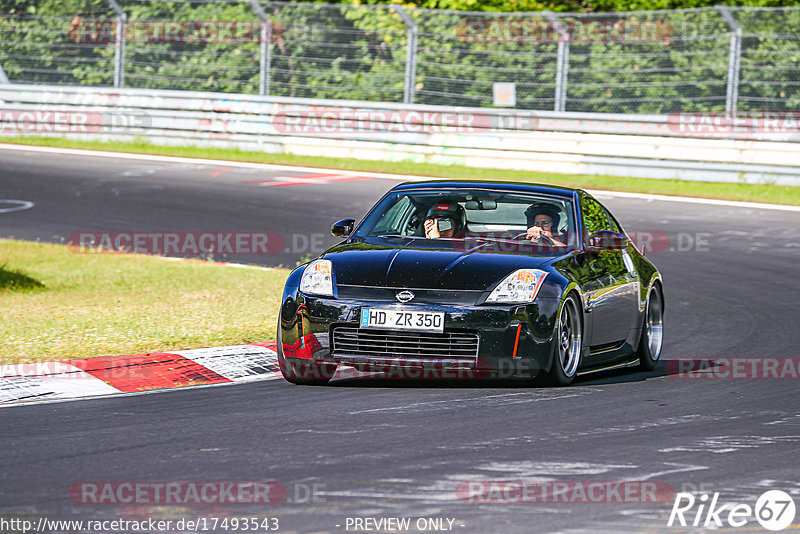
(318, 278)
(520, 286)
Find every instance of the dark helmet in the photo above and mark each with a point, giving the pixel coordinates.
(450, 210)
(543, 208)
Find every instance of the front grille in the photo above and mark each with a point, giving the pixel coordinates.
(362, 344)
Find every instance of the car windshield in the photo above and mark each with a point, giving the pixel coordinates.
(493, 216)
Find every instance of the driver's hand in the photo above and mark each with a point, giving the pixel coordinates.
(534, 232)
(431, 231)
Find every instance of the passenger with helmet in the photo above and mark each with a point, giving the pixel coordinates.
(445, 220)
(544, 221)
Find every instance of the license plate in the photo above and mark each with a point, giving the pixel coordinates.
(420, 321)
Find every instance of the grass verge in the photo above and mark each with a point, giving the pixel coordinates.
(745, 192)
(56, 304)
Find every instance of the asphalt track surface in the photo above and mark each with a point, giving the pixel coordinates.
(400, 449)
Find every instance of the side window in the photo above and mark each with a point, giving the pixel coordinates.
(394, 216)
(594, 216)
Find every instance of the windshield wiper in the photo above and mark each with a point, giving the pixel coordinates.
(397, 235)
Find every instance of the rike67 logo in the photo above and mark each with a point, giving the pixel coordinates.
(774, 510)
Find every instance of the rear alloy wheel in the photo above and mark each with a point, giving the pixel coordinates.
(652, 330)
(568, 342)
(301, 371)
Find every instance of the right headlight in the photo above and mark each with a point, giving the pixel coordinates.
(318, 278)
(520, 286)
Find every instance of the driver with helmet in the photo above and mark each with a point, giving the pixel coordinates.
(445, 220)
(543, 223)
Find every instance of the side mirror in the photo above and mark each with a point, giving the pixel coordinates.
(343, 227)
(606, 240)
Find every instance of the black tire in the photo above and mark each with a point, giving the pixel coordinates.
(652, 338)
(301, 371)
(567, 344)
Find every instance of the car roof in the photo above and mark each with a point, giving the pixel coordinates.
(522, 187)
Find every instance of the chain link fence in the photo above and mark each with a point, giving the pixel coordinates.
(770, 59)
(47, 47)
(706, 59)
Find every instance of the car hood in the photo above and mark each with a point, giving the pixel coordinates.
(424, 264)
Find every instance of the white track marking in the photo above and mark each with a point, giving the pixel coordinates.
(219, 263)
(679, 468)
(484, 400)
(527, 469)
(203, 161)
(386, 176)
(726, 444)
(20, 205)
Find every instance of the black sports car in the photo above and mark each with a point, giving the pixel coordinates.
(465, 279)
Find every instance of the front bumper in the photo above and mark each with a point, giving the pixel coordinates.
(512, 340)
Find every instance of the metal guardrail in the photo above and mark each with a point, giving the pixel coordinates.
(715, 58)
(649, 146)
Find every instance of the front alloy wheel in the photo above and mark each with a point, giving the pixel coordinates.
(568, 341)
